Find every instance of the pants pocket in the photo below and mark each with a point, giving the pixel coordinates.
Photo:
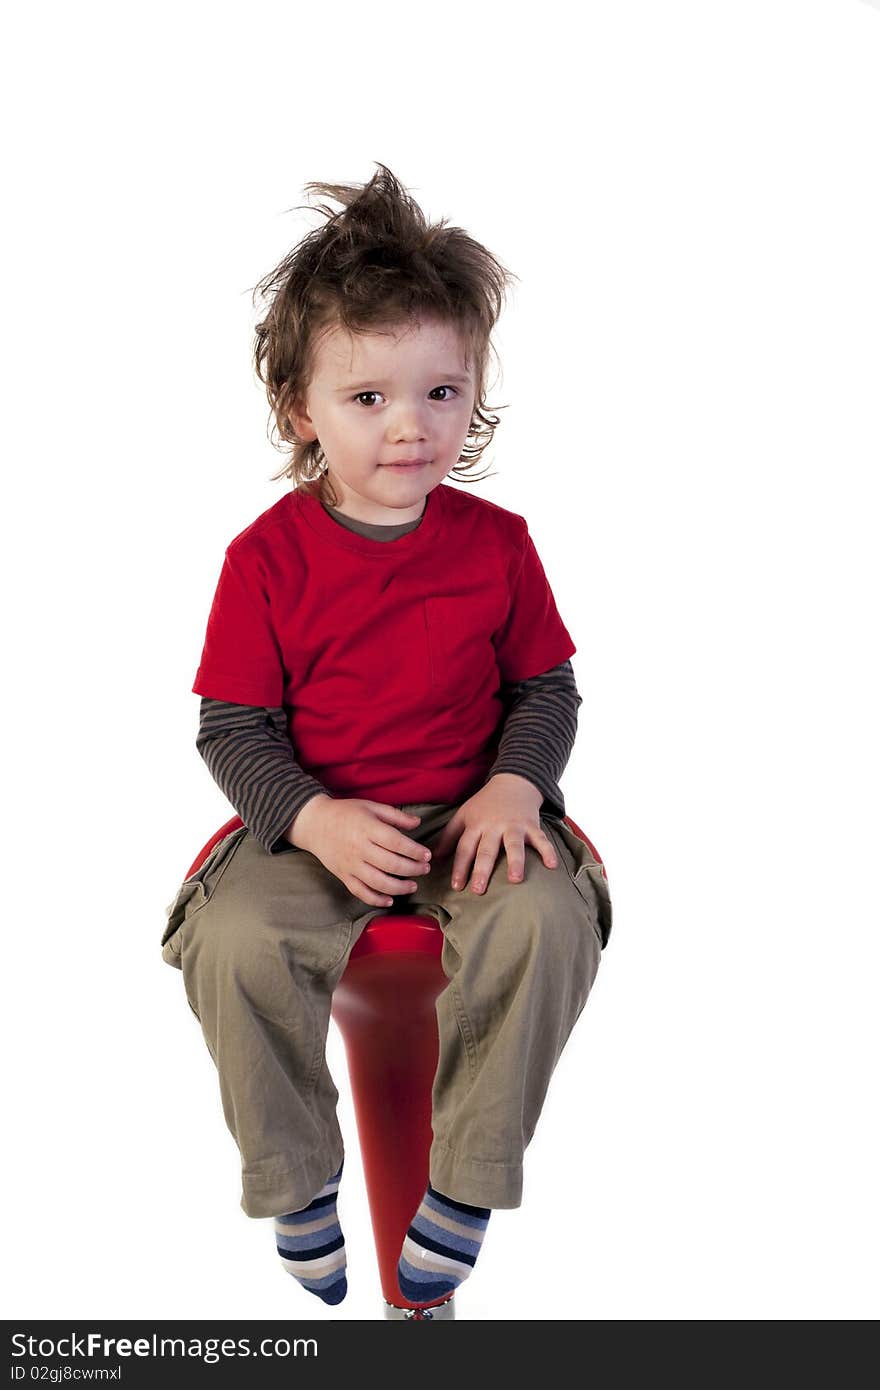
(196, 890)
(585, 872)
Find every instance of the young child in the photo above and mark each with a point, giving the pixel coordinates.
(388, 703)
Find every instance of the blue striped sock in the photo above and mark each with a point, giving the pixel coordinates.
(440, 1247)
(311, 1244)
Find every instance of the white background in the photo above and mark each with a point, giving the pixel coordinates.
(689, 195)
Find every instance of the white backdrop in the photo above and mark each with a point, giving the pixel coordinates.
(689, 195)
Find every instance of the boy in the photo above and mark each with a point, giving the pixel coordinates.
(385, 684)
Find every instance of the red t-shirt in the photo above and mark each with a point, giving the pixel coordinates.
(386, 655)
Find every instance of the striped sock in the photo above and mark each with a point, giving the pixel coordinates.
(440, 1247)
(311, 1244)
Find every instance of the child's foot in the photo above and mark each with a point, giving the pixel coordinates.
(440, 1248)
(311, 1244)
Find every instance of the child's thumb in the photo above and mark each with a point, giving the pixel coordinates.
(386, 810)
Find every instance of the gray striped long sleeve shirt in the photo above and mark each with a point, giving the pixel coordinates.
(248, 751)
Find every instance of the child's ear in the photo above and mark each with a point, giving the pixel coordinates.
(301, 423)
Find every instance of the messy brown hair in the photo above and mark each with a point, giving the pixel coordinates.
(376, 265)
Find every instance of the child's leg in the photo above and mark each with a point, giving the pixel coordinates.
(261, 949)
(521, 959)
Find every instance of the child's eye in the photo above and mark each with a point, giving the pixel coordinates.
(361, 394)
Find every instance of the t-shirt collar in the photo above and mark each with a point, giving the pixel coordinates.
(313, 514)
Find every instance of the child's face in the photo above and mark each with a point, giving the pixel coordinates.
(375, 399)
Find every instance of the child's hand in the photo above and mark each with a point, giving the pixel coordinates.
(506, 810)
(359, 842)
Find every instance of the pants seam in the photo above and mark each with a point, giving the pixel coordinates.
(592, 904)
(257, 1179)
(464, 1029)
(346, 942)
(317, 1054)
(476, 1162)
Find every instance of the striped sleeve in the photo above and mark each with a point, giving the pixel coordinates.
(248, 752)
(539, 732)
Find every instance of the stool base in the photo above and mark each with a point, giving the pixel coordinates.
(439, 1310)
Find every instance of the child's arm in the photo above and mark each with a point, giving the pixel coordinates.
(249, 754)
(364, 843)
(539, 731)
(505, 813)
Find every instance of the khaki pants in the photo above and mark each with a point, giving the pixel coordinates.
(263, 939)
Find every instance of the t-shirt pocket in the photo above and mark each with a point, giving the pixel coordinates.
(461, 654)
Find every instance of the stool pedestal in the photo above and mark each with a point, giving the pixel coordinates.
(384, 1007)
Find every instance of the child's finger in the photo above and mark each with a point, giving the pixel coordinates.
(391, 813)
(516, 860)
(543, 845)
(462, 863)
(485, 863)
(367, 895)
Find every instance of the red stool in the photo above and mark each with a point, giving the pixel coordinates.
(384, 1007)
